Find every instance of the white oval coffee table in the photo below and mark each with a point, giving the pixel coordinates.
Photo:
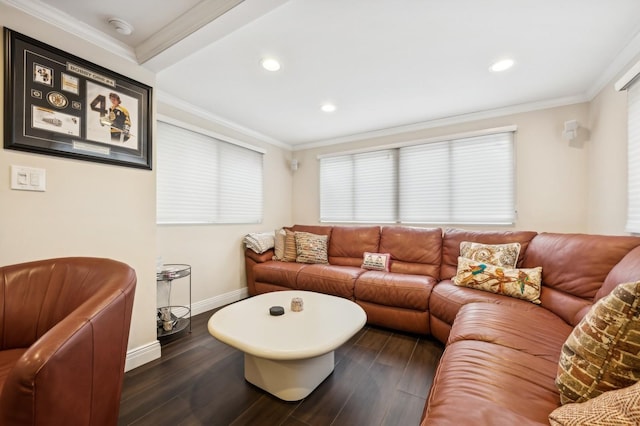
(288, 355)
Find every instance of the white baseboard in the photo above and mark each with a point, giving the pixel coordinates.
(147, 353)
(142, 355)
(218, 301)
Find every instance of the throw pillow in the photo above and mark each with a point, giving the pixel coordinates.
(603, 351)
(278, 244)
(617, 407)
(504, 255)
(289, 246)
(311, 248)
(376, 261)
(520, 283)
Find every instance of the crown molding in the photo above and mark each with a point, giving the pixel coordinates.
(618, 66)
(447, 121)
(59, 19)
(199, 112)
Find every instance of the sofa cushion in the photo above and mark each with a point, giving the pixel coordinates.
(447, 298)
(592, 257)
(499, 364)
(453, 237)
(311, 248)
(376, 261)
(402, 319)
(279, 273)
(482, 383)
(627, 270)
(616, 407)
(348, 244)
(504, 255)
(530, 329)
(519, 283)
(416, 251)
(603, 351)
(312, 229)
(399, 290)
(329, 279)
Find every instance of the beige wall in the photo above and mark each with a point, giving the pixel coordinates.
(551, 176)
(88, 209)
(607, 177)
(215, 251)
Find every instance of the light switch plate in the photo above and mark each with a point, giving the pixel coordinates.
(28, 178)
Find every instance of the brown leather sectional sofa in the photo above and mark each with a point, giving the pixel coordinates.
(501, 357)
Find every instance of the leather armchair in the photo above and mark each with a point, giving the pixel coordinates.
(64, 328)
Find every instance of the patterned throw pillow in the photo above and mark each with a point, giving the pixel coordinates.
(519, 283)
(289, 246)
(603, 351)
(311, 248)
(617, 407)
(504, 255)
(376, 261)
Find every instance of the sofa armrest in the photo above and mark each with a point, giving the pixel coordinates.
(259, 257)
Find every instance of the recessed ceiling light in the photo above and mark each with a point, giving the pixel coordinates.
(270, 64)
(328, 107)
(502, 65)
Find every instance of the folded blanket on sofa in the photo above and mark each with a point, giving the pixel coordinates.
(259, 241)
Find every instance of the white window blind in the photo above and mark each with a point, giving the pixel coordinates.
(425, 183)
(358, 187)
(633, 159)
(460, 181)
(201, 179)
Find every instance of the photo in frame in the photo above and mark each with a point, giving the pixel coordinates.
(59, 104)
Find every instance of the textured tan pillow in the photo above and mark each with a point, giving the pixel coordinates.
(504, 255)
(289, 246)
(311, 248)
(376, 261)
(278, 244)
(603, 351)
(617, 407)
(519, 283)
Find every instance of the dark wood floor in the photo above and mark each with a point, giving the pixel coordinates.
(381, 377)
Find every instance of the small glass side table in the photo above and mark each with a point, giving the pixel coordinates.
(172, 319)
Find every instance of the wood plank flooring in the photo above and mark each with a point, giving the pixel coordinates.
(381, 377)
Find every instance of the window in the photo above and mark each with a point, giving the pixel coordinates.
(630, 81)
(358, 187)
(633, 159)
(201, 179)
(467, 180)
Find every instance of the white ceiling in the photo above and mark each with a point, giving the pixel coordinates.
(384, 63)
